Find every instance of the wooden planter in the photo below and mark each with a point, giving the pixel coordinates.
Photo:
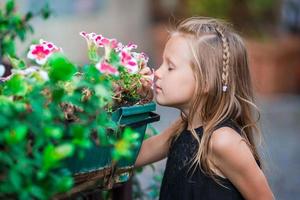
(96, 170)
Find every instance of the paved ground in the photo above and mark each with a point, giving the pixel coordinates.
(281, 128)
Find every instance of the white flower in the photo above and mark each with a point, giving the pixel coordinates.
(2, 70)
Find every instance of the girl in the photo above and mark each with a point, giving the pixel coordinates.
(211, 147)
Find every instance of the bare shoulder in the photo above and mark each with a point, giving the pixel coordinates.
(228, 146)
(224, 137)
(232, 156)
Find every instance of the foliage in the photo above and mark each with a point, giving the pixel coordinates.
(13, 25)
(35, 134)
(50, 112)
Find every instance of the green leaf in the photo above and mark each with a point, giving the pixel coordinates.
(61, 69)
(30, 28)
(114, 58)
(21, 34)
(16, 20)
(45, 11)
(64, 150)
(16, 135)
(9, 47)
(79, 131)
(121, 149)
(28, 16)
(16, 86)
(52, 155)
(54, 132)
(37, 191)
(4, 121)
(103, 137)
(130, 135)
(10, 4)
(15, 179)
(65, 184)
(17, 63)
(57, 94)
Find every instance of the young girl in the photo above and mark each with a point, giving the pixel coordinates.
(211, 147)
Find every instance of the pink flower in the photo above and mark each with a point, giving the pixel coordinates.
(41, 52)
(106, 68)
(144, 57)
(132, 61)
(129, 62)
(101, 41)
(89, 37)
(130, 46)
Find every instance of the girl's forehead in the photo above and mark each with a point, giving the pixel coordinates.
(178, 46)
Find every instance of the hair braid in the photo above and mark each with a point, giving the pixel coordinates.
(226, 57)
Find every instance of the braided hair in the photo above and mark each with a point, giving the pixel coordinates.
(226, 58)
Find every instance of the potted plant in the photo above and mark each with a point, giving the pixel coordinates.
(131, 106)
(55, 115)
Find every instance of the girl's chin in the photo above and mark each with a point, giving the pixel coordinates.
(158, 100)
(161, 102)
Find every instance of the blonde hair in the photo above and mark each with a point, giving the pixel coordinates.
(224, 88)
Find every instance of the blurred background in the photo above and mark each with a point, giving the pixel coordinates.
(271, 29)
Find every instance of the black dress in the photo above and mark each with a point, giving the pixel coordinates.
(179, 183)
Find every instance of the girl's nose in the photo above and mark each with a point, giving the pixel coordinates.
(157, 74)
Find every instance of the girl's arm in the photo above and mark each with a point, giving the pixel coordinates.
(156, 147)
(234, 159)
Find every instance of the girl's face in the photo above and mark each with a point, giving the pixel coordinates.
(175, 81)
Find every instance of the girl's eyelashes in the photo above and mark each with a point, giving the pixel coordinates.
(170, 66)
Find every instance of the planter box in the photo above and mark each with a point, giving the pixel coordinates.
(96, 169)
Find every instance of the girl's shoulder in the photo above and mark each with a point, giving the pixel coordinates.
(229, 123)
(226, 135)
(228, 146)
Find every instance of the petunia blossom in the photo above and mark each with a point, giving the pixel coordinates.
(41, 52)
(106, 68)
(89, 37)
(101, 41)
(129, 62)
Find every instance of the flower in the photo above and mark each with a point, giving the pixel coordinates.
(106, 68)
(128, 61)
(41, 52)
(101, 41)
(2, 70)
(89, 37)
(122, 65)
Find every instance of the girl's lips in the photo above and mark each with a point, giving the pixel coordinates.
(157, 88)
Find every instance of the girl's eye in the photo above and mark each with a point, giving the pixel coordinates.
(170, 67)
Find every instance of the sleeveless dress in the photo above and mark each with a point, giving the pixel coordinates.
(179, 183)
